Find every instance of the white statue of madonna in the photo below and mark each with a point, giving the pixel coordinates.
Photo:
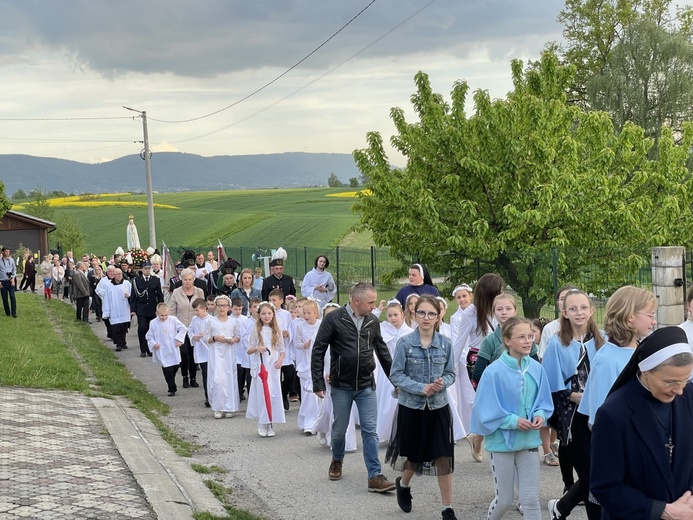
(133, 238)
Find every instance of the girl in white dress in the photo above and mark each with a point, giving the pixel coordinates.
(475, 323)
(305, 331)
(323, 425)
(222, 337)
(391, 330)
(266, 347)
(409, 306)
(458, 429)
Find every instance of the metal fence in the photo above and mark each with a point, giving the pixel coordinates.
(375, 265)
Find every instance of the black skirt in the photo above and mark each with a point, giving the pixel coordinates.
(422, 441)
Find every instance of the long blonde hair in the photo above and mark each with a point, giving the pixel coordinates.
(276, 333)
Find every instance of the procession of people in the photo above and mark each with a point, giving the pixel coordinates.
(617, 399)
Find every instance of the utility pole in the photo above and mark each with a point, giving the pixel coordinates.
(146, 154)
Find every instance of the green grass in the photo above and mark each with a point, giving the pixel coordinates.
(264, 218)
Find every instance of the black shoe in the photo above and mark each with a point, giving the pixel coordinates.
(14, 315)
(207, 405)
(285, 401)
(194, 384)
(125, 347)
(449, 514)
(149, 354)
(171, 394)
(118, 349)
(142, 354)
(403, 496)
(186, 383)
(242, 397)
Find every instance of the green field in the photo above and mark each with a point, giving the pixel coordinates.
(291, 218)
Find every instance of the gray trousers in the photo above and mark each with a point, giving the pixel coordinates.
(524, 464)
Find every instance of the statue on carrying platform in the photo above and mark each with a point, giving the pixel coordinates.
(133, 238)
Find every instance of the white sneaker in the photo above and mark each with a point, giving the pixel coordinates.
(322, 439)
(218, 415)
(228, 415)
(553, 510)
(262, 430)
(270, 431)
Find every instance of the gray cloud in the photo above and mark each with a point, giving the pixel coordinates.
(213, 37)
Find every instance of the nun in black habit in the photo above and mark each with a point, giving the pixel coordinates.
(642, 447)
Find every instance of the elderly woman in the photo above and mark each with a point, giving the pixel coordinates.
(180, 306)
(642, 457)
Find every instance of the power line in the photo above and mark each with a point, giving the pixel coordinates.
(272, 81)
(49, 140)
(305, 86)
(63, 118)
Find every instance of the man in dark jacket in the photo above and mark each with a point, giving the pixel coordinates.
(278, 280)
(353, 335)
(81, 291)
(146, 295)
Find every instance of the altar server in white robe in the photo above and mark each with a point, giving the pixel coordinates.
(306, 329)
(165, 336)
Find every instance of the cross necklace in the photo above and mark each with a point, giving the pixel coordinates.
(669, 432)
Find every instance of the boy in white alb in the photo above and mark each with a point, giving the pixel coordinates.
(247, 327)
(241, 354)
(197, 330)
(165, 336)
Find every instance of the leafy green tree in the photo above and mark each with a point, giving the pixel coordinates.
(19, 195)
(69, 234)
(354, 182)
(334, 182)
(520, 177)
(633, 59)
(39, 205)
(5, 203)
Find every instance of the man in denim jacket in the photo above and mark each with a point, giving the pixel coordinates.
(353, 335)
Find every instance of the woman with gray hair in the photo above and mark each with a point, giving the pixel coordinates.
(180, 306)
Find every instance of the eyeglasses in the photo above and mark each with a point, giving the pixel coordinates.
(669, 384)
(523, 338)
(428, 315)
(651, 315)
(584, 309)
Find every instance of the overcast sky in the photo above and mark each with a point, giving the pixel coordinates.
(180, 60)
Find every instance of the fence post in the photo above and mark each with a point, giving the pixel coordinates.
(305, 259)
(667, 285)
(554, 266)
(373, 266)
(240, 253)
(339, 287)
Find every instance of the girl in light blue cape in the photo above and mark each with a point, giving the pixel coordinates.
(512, 402)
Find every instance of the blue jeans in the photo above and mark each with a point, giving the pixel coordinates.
(367, 405)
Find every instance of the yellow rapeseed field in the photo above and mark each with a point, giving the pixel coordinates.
(349, 194)
(98, 201)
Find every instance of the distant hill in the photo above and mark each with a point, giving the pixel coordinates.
(173, 171)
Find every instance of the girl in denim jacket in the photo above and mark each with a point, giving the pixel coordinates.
(513, 401)
(422, 442)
